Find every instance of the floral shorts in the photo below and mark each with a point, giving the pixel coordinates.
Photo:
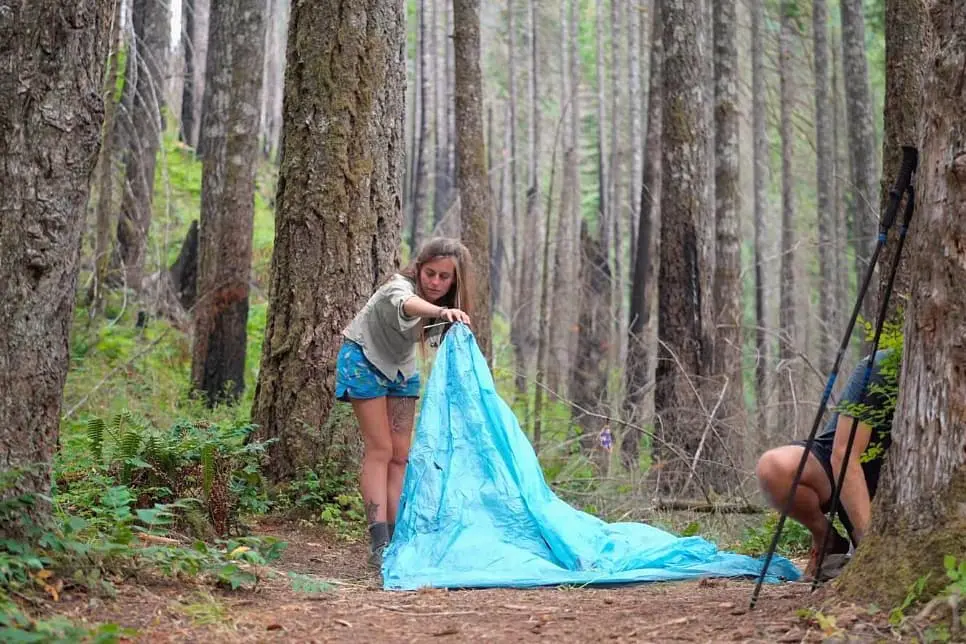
(357, 378)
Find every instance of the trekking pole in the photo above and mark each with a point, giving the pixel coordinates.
(909, 160)
(867, 376)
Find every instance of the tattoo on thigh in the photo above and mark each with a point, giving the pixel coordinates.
(372, 509)
(401, 412)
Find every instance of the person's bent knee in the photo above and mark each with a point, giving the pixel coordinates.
(769, 469)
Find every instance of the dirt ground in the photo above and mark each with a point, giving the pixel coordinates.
(355, 609)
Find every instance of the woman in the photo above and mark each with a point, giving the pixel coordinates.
(378, 374)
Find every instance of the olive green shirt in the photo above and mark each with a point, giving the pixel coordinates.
(387, 335)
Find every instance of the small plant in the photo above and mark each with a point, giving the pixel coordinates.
(329, 498)
(795, 538)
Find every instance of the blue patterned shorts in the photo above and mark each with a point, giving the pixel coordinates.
(357, 378)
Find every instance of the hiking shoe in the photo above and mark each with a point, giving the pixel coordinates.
(836, 556)
(375, 557)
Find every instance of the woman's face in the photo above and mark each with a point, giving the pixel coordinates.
(437, 277)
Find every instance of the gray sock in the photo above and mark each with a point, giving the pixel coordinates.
(379, 534)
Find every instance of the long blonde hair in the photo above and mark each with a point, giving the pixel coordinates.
(460, 294)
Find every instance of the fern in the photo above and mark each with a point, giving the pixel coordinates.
(95, 435)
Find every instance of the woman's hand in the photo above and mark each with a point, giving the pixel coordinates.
(455, 315)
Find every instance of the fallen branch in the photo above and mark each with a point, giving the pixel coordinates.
(717, 508)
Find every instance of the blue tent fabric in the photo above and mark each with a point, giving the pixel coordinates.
(476, 511)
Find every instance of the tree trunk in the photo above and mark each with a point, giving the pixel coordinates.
(476, 201)
(760, 154)
(858, 107)
(104, 209)
(523, 329)
(337, 218)
(634, 116)
(640, 356)
(788, 319)
(917, 517)
(730, 420)
(515, 227)
(230, 129)
(825, 165)
(567, 256)
(905, 39)
(425, 110)
(843, 269)
(589, 377)
(274, 75)
(685, 324)
(148, 54)
(52, 63)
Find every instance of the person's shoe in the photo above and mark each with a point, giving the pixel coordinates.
(836, 556)
(375, 557)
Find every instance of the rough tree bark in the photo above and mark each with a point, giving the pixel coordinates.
(337, 218)
(917, 517)
(52, 60)
(905, 39)
(729, 423)
(476, 201)
(685, 325)
(145, 78)
(230, 129)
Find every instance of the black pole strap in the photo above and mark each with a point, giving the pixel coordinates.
(903, 181)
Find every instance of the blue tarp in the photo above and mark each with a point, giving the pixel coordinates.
(476, 511)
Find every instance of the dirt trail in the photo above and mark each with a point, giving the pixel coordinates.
(355, 609)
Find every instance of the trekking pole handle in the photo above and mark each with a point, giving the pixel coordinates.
(910, 159)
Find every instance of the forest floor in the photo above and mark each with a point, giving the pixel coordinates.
(355, 608)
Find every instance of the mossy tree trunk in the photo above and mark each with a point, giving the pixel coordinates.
(230, 130)
(52, 60)
(918, 515)
(337, 223)
(476, 200)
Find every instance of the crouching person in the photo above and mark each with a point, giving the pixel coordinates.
(813, 497)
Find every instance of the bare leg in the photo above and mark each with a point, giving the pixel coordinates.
(401, 414)
(374, 423)
(775, 471)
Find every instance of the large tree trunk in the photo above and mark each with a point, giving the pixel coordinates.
(825, 165)
(52, 59)
(788, 319)
(760, 154)
(917, 517)
(446, 218)
(476, 201)
(425, 111)
(730, 422)
(858, 106)
(640, 354)
(905, 39)
(230, 129)
(337, 218)
(146, 71)
(684, 320)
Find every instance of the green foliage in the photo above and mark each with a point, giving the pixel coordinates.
(16, 626)
(887, 391)
(216, 464)
(795, 539)
(329, 498)
(916, 589)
